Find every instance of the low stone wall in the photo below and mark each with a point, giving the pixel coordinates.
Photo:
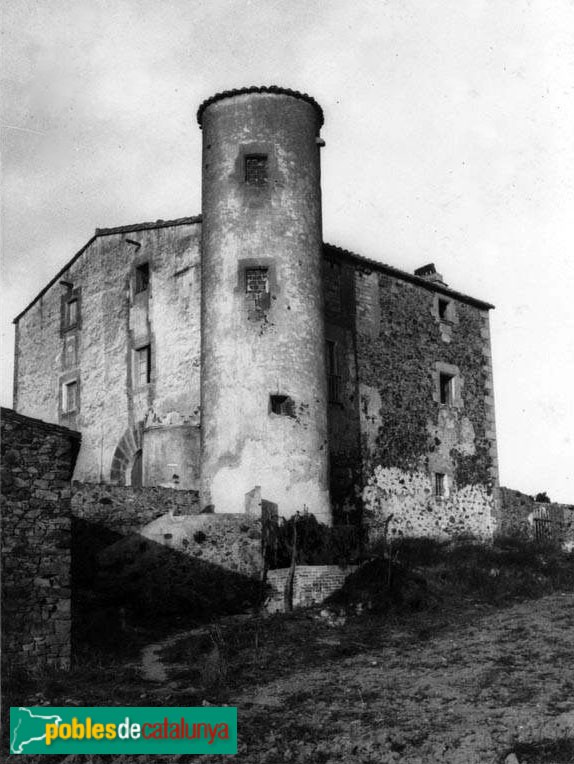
(37, 464)
(125, 510)
(232, 541)
(311, 586)
(520, 515)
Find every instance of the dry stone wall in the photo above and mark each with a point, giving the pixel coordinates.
(38, 460)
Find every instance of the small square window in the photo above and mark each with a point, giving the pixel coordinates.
(446, 384)
(443, 309)
(439, 485)
(70, 397)
(256, 169)
(282, 405)
(143, 366)
(142, 278)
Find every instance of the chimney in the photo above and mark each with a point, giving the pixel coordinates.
(429, 273)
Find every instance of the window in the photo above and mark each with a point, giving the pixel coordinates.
(443, 309)
(256, 169)
(282, 405)
(333, 378)
(70, 353)
(142, 278)
(446, 384)
(257, 291)
(70, 308)
(143, 366)
(71, 313)
(256, 280)
(70, 397)
(439, 485)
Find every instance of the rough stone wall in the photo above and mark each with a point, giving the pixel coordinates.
(114, 321)
(311, 586)
(232, 541)
(519, 514)
(408, 434)
(37, 464)
(124, 510)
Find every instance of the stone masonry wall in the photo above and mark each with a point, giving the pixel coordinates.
(405, 341)
(312, 584)
(124, 510)
(231, 541)
(520, 513)
(37, 464)
(99, 352)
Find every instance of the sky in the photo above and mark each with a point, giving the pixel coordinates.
(449, 129)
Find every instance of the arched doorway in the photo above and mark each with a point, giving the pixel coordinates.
(124, 458)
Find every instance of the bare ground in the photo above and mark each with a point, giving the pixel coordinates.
(478, 675)
(470, 691)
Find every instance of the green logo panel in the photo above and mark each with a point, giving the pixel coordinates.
(104, 730)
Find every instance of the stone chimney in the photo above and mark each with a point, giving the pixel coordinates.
(429, 273)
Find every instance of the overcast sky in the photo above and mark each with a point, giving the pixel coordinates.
(450, 139)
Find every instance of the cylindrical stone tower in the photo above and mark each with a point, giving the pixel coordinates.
(263, 378)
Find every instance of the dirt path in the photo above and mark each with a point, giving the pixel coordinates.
(479, 693)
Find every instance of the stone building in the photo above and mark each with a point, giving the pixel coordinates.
(236, 349)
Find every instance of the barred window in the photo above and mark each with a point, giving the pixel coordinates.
(256, 169)
(256, 280)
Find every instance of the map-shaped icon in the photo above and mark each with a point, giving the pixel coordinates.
(30, 728)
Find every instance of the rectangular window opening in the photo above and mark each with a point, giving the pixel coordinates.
(439, 485)
(446, 383)
(257, 293)
(256, 280)
(143, 366)
(142, 278)
(256, 169)
(70, 352)
(71, 312)
(282, 405)
(70, 397)
(443, 309)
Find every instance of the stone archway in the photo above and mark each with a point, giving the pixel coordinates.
(130, 443)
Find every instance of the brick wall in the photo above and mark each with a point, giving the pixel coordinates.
(37, 464)
(312, 584)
